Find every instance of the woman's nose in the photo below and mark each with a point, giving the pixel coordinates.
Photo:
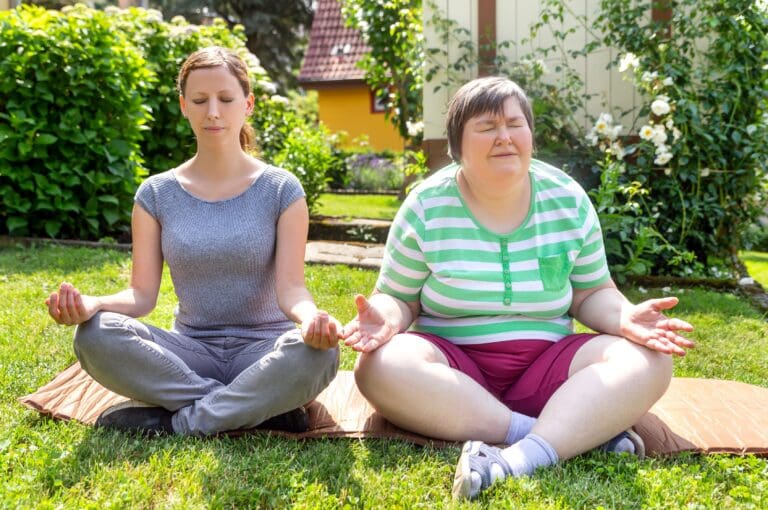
(503, 135)
(213, 110)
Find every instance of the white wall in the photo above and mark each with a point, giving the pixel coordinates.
(513, 21)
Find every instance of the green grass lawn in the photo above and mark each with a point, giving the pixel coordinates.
(757, 265)
(46, 463)
(377, 207)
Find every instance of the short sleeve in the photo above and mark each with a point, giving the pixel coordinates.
(289, 191)
(404, 269)
(590, 268)
(145, 196)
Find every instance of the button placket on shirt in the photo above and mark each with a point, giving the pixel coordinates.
(505, 271)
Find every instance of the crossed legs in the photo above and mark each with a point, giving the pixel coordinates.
(153, 365)
(611, 384)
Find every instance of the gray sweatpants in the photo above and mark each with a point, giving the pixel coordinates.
(212, 384)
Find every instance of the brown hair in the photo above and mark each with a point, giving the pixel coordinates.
(216, 56)
(477, 97)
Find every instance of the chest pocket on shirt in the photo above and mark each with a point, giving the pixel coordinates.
(554, 271)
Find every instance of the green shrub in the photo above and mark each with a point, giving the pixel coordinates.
(71, 116)
(88, 103)
(703, 133)
(306, 153)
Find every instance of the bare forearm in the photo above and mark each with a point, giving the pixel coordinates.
(297, 303)
(601, 311)
(131, 302)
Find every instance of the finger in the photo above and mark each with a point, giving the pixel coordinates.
(675, 324)
(350, 329)
(64, 304)
(673, 337)
(323, 331)
(79, 305)
(362, 304)
(309, 331)
(371, 345)
(666, 347)
(352, 338)
(53, 306)
(664, 303)
(333, 334)
(657, 345)
(682, 341)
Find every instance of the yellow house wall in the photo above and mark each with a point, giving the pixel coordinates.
(349, 109)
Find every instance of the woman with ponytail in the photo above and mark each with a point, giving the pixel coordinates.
(232, 229)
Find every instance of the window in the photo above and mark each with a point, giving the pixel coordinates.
(378, 105)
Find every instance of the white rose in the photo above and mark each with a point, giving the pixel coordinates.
(414, 128)
(659, 136)
(646, 132)
(627, 61)
(660, 107)
(662, 159)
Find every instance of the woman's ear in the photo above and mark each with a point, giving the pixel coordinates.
(183, 106)
(249, 102)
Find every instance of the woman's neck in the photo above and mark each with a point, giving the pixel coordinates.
(220, 164)
(500, 207)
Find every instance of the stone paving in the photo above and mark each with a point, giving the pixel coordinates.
(352, 254)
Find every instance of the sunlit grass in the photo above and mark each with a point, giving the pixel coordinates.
(53, 464)
(378, 207)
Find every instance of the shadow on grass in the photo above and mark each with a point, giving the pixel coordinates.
(18, 259)
(253, 471)
(754, 257)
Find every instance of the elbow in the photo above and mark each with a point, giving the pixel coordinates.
(144, 302)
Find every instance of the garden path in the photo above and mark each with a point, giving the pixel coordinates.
(352, 254)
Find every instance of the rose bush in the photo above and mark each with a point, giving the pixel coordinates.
(701, 152)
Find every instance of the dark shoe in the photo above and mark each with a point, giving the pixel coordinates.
(627, 438)
(296, 420)
(137, 417)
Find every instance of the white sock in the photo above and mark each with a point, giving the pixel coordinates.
(523, 457)
(519, 427)
(528, 454)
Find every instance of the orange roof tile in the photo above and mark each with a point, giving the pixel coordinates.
(334, 49)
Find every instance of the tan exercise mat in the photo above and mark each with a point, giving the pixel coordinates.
(701, 415)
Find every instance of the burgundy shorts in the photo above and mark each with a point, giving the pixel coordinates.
(523, 374)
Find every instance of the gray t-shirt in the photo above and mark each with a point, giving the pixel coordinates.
(222, 254)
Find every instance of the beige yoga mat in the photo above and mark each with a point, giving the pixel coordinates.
(698, 415)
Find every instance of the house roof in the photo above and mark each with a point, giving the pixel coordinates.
(334, 49)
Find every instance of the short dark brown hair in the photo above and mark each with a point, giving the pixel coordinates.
(478, 97)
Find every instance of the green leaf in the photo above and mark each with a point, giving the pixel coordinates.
(46, 139)
(111, 216)
(109, 199)
(15, 223)
(52, 227)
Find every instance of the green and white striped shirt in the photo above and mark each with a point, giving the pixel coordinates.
(476, 286)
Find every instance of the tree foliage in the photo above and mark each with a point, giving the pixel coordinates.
(275, 30)
(393, 68)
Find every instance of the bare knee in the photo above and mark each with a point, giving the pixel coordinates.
(377, 371)
(649, 367)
